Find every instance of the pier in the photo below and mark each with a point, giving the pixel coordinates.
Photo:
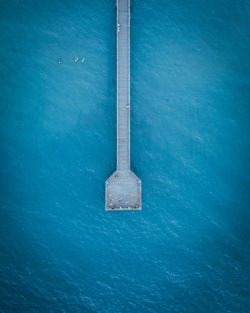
(123, 187)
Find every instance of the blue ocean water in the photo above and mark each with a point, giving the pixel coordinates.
(188, 249)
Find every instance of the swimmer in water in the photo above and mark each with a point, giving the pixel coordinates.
(58, 61)
(83, 59)
(76, 59)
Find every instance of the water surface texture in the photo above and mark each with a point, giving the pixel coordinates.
(187, 251)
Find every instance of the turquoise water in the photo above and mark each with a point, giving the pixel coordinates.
(188, 249)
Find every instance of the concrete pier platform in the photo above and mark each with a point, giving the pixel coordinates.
(123, 192)
(123, 188)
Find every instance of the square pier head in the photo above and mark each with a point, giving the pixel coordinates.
(123, 191)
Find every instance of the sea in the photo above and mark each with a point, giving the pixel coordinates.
(187, 250)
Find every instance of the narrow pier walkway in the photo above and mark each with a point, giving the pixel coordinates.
(123, 188)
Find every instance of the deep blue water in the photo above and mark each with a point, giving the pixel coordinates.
(188, 249)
